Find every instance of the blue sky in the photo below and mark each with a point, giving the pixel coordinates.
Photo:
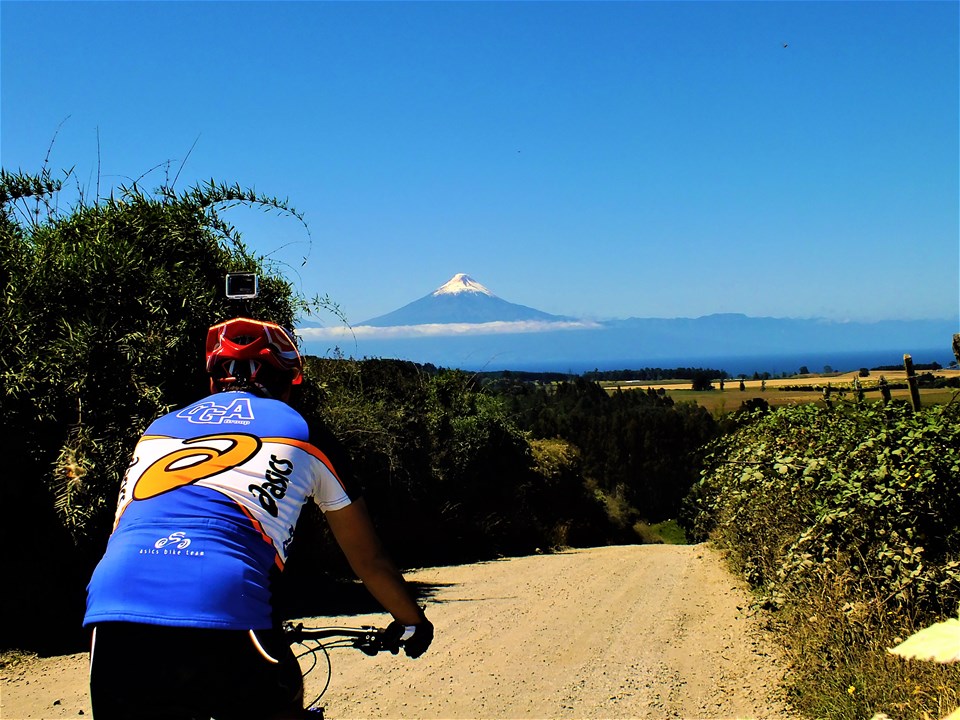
(593, 159)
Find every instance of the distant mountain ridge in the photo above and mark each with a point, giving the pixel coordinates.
(463, 324)
(461, 300)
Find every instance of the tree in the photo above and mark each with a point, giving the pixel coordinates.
(636, 447)
(701, 381)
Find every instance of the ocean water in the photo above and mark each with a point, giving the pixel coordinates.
(736, 365)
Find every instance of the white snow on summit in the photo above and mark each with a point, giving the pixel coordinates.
(461, 283)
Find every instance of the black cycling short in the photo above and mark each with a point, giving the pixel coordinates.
(153, 672)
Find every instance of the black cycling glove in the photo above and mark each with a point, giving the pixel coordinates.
(415, 638)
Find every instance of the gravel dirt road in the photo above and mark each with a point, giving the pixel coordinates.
(652, 631)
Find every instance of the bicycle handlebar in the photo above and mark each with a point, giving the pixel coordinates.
(368, 639)
(318, 640)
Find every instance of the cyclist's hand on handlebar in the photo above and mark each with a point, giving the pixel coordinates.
(417, 644)
(415, 638)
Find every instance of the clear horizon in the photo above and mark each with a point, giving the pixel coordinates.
(592, 160)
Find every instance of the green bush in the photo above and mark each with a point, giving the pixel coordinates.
(846, 521)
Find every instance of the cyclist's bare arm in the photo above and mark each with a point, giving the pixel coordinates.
(359, 541)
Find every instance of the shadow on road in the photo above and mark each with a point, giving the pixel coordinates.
(330, 596)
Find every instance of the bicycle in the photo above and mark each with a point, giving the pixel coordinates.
(367, 639)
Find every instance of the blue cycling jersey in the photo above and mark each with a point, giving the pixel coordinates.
(207, 511)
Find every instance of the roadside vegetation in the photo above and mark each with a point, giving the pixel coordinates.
(845, 521)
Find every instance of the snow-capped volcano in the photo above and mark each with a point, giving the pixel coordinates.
(461, 300)
(461, 283)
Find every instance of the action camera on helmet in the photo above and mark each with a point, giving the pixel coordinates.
(242, 285)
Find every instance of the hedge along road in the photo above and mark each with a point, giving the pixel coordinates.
(651, 631)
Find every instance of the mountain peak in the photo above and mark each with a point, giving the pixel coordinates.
(461, 283)
(461, 300)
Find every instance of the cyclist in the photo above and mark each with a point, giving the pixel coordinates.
(181, 603)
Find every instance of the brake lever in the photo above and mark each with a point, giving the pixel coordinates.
(373, 643)
(293, 631)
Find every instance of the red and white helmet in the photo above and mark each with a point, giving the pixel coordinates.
(242, 348)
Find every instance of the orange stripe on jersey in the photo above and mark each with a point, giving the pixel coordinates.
(311, 450)
(259, 528)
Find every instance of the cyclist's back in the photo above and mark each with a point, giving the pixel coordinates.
(207, 511)
(181, 603)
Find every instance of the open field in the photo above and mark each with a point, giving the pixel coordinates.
(775, 393)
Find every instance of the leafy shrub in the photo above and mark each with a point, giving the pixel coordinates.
(846, 520)
(571, 513)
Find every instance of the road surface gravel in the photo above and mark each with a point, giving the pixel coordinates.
(648, 631)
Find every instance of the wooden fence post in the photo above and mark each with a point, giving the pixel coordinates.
(884, 390)
(912, 382)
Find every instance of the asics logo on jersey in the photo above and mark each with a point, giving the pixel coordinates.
(275, 487)
(197, 459)
(208, 412)
(178, 538)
